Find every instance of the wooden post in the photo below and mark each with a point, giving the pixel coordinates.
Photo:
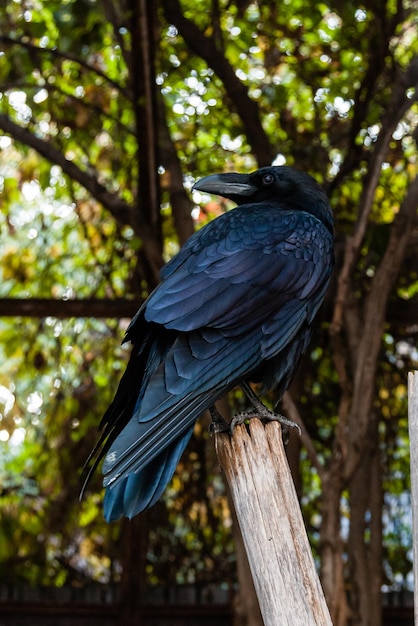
(268, 511)
(413, 443)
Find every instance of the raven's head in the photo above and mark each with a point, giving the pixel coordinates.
(289, 188)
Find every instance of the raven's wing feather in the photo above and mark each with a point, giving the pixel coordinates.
(174, 400)
(237, 280)
(236, 295)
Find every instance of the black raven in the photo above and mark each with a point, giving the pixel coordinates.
(235, 306)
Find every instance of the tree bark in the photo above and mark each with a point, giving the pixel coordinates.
(331, 547)
(355, 420)
(134, 549)
(142, 75)
(365, 536)
(413, 438)
(53, 307)
(269, 515)
(181, 204)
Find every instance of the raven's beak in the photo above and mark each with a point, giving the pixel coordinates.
(229, 185)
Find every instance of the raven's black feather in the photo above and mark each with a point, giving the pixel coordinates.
(235, 304)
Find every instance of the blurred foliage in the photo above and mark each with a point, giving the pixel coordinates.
(313, 69)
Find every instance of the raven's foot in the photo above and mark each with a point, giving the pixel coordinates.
(218, 423)
(263, 413)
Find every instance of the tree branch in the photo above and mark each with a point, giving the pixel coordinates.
(397, 108)
(121, 211)
(247, 108)
(181, 204)
(50, 307)
(67, 56)
(373, 324)
(117, 15)
(111, 201)
(377, 58)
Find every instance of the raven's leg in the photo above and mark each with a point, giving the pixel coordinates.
(218, 423)
(260, 411)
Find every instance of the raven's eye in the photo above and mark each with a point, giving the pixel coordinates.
(268, 179)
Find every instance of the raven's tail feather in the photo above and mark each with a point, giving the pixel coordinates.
(137, 492)
(143, 361)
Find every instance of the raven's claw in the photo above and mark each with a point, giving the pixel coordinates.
(265, 415)
(218, 423)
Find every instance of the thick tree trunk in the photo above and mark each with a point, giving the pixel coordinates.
(331, 547)
(141, 19)
(142, 71)
(352, 465)
(365, 538)
(134, 539)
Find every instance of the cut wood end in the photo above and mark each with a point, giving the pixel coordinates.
(254, 427)
(265, 500)
(260, 435)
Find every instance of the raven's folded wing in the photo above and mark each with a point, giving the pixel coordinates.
(236, 296)
(240, 279)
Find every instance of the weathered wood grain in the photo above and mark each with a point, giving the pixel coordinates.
(267, 507)
(413, 443)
